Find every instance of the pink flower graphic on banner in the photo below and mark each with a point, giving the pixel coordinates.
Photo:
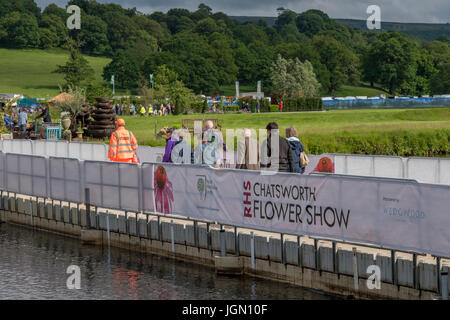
(325, 165)
(163, 191)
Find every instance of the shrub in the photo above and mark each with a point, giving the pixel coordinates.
(231, 108)
(274, 108)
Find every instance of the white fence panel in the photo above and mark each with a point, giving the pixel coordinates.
(113, 185)
(8, 146)
(13, 146)
(99, 152)
(388, 167)
(144, 154)
(423, 170)
(26, 174)
(359, 165)
(74, 150)
(66, 179)
(17, 146)
(93, 151)
(50, 149)
(39, 148)
(444, 171)
(148, 195)
(62, 149)
(340, 164)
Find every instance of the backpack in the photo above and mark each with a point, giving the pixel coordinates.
(304, 161)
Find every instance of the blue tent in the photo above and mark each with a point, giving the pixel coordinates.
(27, 103)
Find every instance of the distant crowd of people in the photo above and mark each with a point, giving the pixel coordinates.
(143, 111)
(210, 149)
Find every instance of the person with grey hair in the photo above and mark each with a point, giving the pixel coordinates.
(211, 146)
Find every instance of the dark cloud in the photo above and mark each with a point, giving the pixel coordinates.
(431, 11)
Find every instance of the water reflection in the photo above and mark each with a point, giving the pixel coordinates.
(33, 265)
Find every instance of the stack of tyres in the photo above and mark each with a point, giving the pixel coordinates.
(104, 119)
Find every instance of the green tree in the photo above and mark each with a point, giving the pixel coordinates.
(152, 27)
(94, 35)
(440, 81)
(19, 30)
(124, 69)
(168, 85)
(206, 27)
(48, 38)
(77, 68)
(392, 61)
(53, 9)
(340, 62)
(223, 59)
(292, 78)
(54, 29)
(122, 31)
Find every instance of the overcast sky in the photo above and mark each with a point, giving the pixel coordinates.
(428, 11)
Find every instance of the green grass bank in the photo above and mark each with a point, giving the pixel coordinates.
(402, 132)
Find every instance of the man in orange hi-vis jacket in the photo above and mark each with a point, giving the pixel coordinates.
(123, 144)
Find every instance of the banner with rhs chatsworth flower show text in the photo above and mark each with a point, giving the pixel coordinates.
(386, 212)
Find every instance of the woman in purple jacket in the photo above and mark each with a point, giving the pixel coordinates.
(170, 143)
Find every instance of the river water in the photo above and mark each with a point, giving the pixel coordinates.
(33, 265)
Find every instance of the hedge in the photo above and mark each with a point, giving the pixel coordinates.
(302, 104)
(265, 106)
(274, 108)
(231, 108)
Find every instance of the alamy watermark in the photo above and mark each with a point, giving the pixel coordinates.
(374, 20)
(74, 280)
(74, 21)
(374, 280)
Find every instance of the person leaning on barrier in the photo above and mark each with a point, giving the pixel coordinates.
(122, 145)
(170, 143)
(213, 146)
(182, 152)
(284, 162)
(247, 152)
(298, 151)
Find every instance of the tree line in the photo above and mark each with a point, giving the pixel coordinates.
(209, 49)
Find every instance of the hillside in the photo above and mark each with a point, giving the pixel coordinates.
(427, 31)
(30, 71)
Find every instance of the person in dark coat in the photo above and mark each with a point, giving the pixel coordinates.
(285, 157)
(297, 148)
(45, 114)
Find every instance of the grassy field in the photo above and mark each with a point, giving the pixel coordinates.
(30, 71)
(405, 132)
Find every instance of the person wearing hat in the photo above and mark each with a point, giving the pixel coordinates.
(122, 145)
